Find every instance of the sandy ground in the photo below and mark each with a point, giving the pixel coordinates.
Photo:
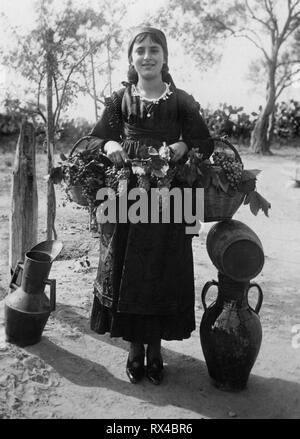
(75, 373)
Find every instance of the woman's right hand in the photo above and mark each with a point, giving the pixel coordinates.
(115, 152)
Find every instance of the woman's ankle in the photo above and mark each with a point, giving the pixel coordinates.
(136, 349)
(154, 350)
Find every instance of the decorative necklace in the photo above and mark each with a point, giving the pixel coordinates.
(150, 103)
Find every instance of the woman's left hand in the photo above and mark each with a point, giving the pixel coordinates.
(178, 149)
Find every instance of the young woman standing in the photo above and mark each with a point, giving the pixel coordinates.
(144, 290)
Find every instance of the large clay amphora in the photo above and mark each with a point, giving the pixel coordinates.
(235, 250)
(27, 308)
(230, 333)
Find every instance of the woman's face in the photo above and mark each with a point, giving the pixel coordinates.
(147, 58)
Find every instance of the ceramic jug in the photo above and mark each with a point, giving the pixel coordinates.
(230, 333)
(28, 308)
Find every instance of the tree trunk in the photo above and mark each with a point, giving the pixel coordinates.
(270, 134)
(259, 136)
(51, 202)
(260, 140)
(24, 201)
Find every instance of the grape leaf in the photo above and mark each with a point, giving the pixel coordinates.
(158, 163)
(161, 172)
(138, 169)
(257, 202)
(191, 174)
(249, 174)
(247, 186)
(152, 151)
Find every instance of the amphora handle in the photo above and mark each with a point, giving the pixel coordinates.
(205, 290)
(260, 297)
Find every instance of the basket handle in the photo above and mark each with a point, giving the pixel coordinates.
(226, 141)
(78, 143)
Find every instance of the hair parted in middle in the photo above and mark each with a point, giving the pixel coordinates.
(158, 37)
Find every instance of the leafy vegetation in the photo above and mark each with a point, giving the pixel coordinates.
(92, 170)
(225, 120)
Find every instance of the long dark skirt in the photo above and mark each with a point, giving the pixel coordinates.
(144, 288)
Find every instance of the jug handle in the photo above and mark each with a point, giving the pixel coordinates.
(52, 283)
(260, 297)
(205, 290)
(15, 275)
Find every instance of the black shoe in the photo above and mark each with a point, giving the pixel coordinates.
(155, 370)
(135, 368)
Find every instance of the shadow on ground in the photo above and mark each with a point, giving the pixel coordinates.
(186, 384)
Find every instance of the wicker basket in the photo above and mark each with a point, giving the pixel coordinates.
(218, 205)
(75, 192)
(77, 196)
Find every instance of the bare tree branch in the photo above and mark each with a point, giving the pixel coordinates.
(261, 48)
(283, 87)
(254, 17)
(66, 81)
(89, 92)
(289, 62)
(286, 81)
(270, 9)
(221, 23)
(294, 5)
(282, 36)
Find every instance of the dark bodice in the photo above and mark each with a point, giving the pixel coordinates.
(126, 120)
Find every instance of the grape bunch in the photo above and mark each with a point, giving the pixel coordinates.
(117, 179)
(90, 188)
(231, 167)
(143, 182)
(167, 180)
(90, 176)
(195, 157)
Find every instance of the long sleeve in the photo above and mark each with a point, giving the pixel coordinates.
(103, 131)
(109, 125)
(194, 130)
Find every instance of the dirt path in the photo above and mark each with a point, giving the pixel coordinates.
(75, 373)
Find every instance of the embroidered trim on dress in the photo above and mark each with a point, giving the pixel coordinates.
(163, 97)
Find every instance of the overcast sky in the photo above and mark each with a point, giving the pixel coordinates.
(226, 82)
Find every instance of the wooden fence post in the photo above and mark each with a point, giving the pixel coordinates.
(24, 197)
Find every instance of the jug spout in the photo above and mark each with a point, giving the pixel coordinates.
(51, 248)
